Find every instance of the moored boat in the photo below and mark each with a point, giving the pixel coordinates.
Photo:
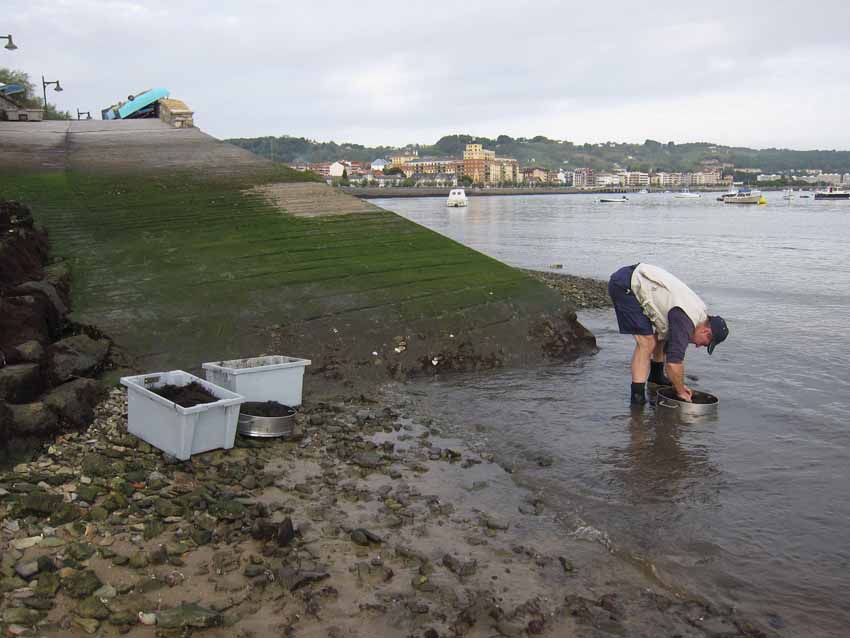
(744, 196)
(832, 193)
(457, 198)
(613, 200)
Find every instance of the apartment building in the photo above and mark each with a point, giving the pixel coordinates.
(583, 178)
(484, 168)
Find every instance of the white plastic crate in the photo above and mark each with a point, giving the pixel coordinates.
(272, 378)
(176, 430)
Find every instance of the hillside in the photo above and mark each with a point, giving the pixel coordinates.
(541, 151)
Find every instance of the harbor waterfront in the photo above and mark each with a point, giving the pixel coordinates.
(749, 508)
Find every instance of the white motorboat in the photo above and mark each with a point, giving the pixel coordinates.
(686, 194)
(643, 191)
(744, 196)
(613, 200)
(457, 198)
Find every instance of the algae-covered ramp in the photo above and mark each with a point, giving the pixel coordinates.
(186, 265)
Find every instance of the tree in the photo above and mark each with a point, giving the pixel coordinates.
(28, 98)
(345, 173)
(466, 180)
(393, 170)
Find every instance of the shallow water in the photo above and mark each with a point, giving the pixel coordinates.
(751, 506)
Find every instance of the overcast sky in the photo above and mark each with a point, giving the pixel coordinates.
(754, 74)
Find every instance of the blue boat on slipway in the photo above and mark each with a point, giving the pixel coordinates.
(137, 106)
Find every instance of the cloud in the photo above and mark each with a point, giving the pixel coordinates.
(764, 74)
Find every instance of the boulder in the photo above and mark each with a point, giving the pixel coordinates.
(190, 615)
(23, 319)
(21, 382)
(32, 419)
(74, 401)
(30, 351)
(76, 356)
(58, 274)
(49, 292)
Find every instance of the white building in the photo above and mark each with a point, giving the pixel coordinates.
(379, 164)
(607, 179)
(337, 169)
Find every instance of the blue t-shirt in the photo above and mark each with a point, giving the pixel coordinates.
(679, 334)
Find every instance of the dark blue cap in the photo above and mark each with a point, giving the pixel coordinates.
(719, 331)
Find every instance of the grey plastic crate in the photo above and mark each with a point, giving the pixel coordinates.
(174, 429)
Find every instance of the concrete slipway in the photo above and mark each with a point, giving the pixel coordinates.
(185, 249)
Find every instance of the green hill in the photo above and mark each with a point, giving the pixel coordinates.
(552, 154)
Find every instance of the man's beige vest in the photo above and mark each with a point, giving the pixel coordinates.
(658, 292)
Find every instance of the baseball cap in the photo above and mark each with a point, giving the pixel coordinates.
(719, 331)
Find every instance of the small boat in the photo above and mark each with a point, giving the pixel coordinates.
(686, 194)
(832, 193)
(643, 191)
(744, 196)
(805, 194)
(457, 198)
(613, 200)
(141, 105)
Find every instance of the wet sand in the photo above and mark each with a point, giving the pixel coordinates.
(367, 523)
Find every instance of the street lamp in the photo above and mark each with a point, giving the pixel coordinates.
(44, 86)
(81, 113)
(9, 45)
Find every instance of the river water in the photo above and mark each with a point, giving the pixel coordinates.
(750, 508)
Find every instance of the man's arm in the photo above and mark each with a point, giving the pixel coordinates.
(676, 372)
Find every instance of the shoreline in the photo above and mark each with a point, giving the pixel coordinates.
(368, 518)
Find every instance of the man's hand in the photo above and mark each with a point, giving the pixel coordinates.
(685, 394)
(676, 371)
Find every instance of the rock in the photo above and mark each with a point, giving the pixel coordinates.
(47, 585)
(166, 508)
(189, 615)
(88, 493)
(97, 465)
(22, 616)
(107, 591)
(81, 584)
(491, 522)
(283, 533)
(21, 382)
(67, 513)
(249, 482)
(139, 560)
(47, 290)
(33, 419)
(27, 570)
(39, 503)
(125, 618)
(459, 568)
(92, 607)
(74, 401)
(80, 551)
(147, 619)
(88, 625)
(76, 356)
(295, 579)
(362, 536)
(11, 583)
(567, 564)
(30, 351)
(369, 460)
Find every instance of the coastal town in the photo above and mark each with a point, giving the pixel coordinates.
(480, 167)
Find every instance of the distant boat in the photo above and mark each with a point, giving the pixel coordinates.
(686, 194)
(643, 191)
(744, 196)
(613, 200)
(832, 193)
(805, 195)
(457, 198)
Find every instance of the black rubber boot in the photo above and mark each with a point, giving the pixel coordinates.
(638, 394)
(656, 373)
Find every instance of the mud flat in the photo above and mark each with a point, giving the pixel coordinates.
(367, 522)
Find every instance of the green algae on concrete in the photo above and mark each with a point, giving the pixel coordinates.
(181, 267)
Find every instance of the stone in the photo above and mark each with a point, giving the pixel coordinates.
(74, 401)
(46, 289)
(66, 513)
(188, 615)
(139, 560)
(22, 616)
(92, 607)
(88, 625)
(147, 618)
(33, 419)
(39, 503)
(47, 585)
(27, 569)
(81, 584)
(11, 583)
(88, 493)
(80, 551)
(76, 356)
(20, 382)
(362, 536)
(165, 508)
(96, 465)
(30, 351)
(124, 618)
(490, 522)
(369, 460)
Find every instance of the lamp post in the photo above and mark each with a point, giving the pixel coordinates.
(81, 113)
(44, 86)
(10, 45)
